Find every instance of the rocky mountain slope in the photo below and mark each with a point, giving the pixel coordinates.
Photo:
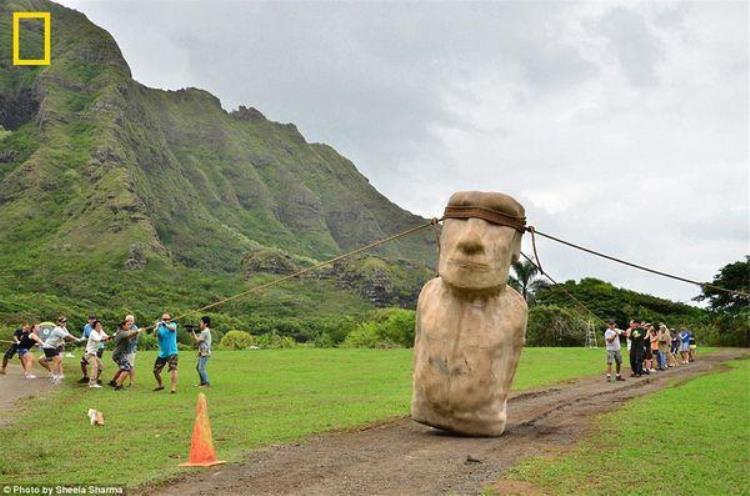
(109, 188)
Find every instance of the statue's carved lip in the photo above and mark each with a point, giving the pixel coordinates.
(468, 264)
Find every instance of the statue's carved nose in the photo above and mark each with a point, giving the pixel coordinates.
(471, 244)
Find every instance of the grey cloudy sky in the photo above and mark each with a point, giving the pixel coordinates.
(622, 126)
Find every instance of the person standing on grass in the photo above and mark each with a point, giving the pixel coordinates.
(12, 349)
(671, 361)
(125, 335)
(675, 348)
(636, 335)
(685, 346)
(28, 340)
(132, 347)
(166, 337)
(97, 337)
(665, 342)
(653, 337)
(648, 356)
(612, 344)
(52, 346)
(85, 336)
(204, 350)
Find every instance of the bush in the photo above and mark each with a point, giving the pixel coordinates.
(236, 340)
(366, 335)
(147, 342)
(550, 325)
(385, 328)
(273, 340)
(324, 341)
(724, 330)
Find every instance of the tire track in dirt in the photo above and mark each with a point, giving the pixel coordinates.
(403, 457)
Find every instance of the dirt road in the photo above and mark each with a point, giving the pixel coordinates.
(15, 387)
(403, 457)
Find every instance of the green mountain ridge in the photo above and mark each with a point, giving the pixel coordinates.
(106, 183)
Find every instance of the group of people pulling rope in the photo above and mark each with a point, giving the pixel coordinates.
(51, 343)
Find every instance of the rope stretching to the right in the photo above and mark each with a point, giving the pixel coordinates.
(534, 231)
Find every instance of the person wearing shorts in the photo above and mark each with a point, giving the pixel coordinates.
(12, 349)
(51, 348)
(28, 340)
(132, 347)
(120, 354)
(612, 345)
(166, 337)
(97, 337)
(685, 346)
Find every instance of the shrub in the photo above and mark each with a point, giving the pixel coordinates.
(386, 328)
(365, 335)
(324, 341)
(274, 340)
(724, 330)
(236, 340)
(147, 342)
(550, 325)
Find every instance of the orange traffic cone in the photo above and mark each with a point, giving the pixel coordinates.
(202, 445)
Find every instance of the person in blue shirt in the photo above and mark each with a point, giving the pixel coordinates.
(685, 345)
(166, 336)
(84, 337)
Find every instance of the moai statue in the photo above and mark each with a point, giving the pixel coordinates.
(471, 326)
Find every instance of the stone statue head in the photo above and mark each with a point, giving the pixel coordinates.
(481, 237)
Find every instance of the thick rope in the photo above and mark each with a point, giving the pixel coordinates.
(533, 245)
(734, 292)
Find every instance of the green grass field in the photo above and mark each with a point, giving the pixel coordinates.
(259, 398)
(690, 439)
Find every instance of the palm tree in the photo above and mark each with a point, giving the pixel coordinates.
(526, 280)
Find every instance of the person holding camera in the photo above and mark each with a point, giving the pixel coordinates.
(612, 344)
(166, 337)
(653, 337)
(665, 343)
(204, 350)
(636, 335)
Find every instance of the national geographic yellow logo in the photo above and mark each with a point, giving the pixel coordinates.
(47, 18)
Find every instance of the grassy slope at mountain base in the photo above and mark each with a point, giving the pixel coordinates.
(690, 439)
(259, 398)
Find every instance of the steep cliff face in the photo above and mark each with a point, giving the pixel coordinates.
(101, 175)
